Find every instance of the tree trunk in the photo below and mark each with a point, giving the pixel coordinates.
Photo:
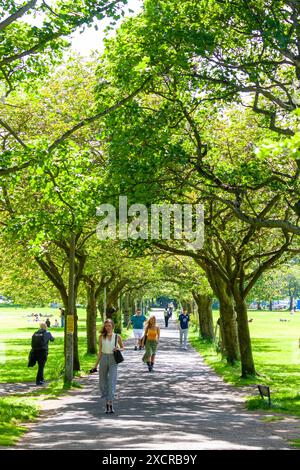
(271, 305)
(291, 302)
(70, 318)
(227, 321)
(76, 360)
(113, 310)
(100, 307)
(259, 305)
(244, 337)
(91, 316)
(229, 330)
(187, 306)
(79, 270)
(127, 308)
(204, 303)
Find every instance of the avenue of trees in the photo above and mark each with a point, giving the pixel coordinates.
(191, 102)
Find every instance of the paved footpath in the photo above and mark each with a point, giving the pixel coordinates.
(182, 405)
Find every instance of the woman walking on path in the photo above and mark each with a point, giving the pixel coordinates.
(152, 335)
(108, 368)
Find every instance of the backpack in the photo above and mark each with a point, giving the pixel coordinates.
(38, 340)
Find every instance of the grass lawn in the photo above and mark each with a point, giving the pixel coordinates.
(12, 412)
(276, 354)
(16, 329)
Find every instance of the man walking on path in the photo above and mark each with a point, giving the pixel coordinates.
(39, 351)
(137, 321)
(166, 316)
(184, 319)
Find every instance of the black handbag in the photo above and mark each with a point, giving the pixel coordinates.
(117, 354)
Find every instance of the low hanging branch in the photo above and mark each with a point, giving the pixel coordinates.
(92, 119)
(18, 14)
(13, 133)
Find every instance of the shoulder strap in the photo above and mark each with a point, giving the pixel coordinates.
(116, 339)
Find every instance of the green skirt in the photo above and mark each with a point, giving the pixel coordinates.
(150, 350)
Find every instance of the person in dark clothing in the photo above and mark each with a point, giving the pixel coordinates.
(184, 319)
(48, 323)
(39, 351)
(166, 316)
(62, 317)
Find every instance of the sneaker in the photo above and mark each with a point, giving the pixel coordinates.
(140, 348)
(39, 383)
(135, 348)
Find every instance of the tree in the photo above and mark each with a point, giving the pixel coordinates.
(27, 50)
(54, 201)
(188, 49)
(21, 280)
(267, 289)
(290, 283)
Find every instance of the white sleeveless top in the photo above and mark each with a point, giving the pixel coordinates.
(108, 344)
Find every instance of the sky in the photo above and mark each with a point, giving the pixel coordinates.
(91, 39)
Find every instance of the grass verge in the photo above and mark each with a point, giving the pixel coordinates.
(276, 360)
(13, 412)
(295, 443)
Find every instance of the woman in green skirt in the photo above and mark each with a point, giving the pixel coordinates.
(150, 340)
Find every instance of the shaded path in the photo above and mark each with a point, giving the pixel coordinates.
(183, 404)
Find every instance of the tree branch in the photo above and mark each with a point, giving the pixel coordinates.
(13, 133)
(92, 119)
(18, 14)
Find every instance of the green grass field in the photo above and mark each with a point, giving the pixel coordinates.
(16, 329)
(276, 354)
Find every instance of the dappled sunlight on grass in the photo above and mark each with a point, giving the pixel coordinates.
(15, 338)
(295, 443)
(276, 355)
(14, 410)
(10, 433)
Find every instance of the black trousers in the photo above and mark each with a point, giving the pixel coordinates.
(166, 321)
(41, 357)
